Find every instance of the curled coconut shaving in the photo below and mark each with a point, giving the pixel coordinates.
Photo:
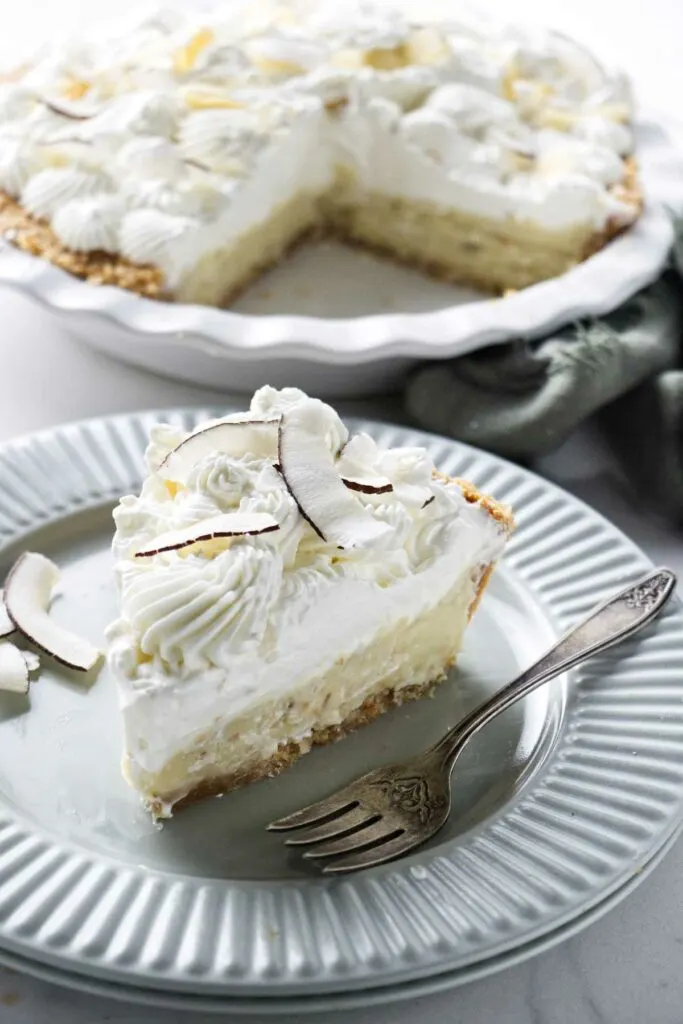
(13, 669)
(223, 527)
(7, 627)
(28, 591)
(253, 436)
(311, 476)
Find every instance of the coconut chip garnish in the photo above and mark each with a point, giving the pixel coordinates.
(28, 592)
(226, 527)
(13, 669)
(7, 627)
(253, 436)
(311, 476)
(32, 661)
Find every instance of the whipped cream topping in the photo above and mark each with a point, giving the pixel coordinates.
(207, 120)
(233, 625)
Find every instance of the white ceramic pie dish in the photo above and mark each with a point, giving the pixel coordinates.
(294, 325)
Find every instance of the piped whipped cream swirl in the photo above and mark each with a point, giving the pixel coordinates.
(199, 612)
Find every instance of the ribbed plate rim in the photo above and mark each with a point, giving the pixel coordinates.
(360, 999)
(468, 875)
(592, 288)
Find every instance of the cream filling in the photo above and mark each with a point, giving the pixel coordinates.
(165, 719)
(393, 168)
(242, 749)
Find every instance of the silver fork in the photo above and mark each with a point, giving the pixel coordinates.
(391, 810)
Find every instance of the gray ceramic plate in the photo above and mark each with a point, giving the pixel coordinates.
(558, 805)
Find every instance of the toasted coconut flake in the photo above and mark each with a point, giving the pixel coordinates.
(427, 46)
(76, 88)
(336, 106)
(203, 97)
(28, 591)
(230, 437)
(387, 58)
(185, 58)
(270, 66)
(13, 669)
(223, 527)
(310, 474)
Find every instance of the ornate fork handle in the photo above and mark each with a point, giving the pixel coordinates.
(618, 618)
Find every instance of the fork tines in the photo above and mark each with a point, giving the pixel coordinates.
(341, 828)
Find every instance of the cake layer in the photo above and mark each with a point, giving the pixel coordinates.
(224, 273)
(486, 254)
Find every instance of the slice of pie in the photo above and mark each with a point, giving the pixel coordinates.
(281, 583)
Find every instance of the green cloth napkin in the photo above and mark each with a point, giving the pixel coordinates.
(523, 398)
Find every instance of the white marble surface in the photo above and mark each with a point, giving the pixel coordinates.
(625, 969)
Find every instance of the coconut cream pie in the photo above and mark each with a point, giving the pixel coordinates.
(186, 154)
(282, 583)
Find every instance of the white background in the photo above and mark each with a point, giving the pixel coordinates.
(623, 970)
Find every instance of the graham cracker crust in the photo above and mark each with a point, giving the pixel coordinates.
(501, 513)
(37, 238)
(628, 190)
